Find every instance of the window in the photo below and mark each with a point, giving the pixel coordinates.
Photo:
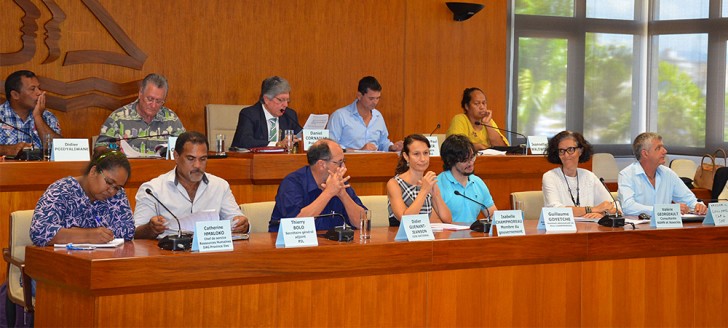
(613, 69)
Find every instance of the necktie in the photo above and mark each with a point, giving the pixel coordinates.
(273, 132)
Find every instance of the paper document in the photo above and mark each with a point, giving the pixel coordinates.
(636, 221)
(114, 243)
(436, 227)
(188, 221)
(491, 152)
(316, 122)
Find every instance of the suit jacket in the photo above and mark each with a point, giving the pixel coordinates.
(252, 130)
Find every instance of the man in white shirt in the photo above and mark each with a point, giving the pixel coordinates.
(185, 190)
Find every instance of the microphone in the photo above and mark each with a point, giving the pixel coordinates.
(504, 130)
(114, 139)
(338, 233)
(609, 220)
(513, 149)
(180, 242)
(478, 225)
(32, 154)
(436, 128)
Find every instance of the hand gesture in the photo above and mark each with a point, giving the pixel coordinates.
(397, 146)
(158, 224)
(336, 182)
(488, 117)
(40, 104)
(701, 209)
(240, 224)
(369, 146)
(427, 182)
(100, 235)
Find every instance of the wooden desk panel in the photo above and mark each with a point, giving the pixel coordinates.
(461, 279)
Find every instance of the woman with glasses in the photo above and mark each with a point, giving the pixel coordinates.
(91, 208)
(413, 190)
(570, 186)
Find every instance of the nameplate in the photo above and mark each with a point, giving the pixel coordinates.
(68, 150)
(311, 136)
(537, 144)
(557, 219)
(666, 216)
(434, 146)
(717, 214)
(297, 232)
(212, 236)
(508, 223)
(171, 142)
(415, 228)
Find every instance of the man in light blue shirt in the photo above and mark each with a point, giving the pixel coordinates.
(647, 182)
(458, 158)
(360, 125)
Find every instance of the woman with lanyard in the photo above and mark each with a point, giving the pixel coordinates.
(570, 186)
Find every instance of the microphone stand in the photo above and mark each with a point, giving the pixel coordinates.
(525, 150)
(31, 154)
(479, 225)
(436, 128)
(611, 220)
(340, 233)
(180, 242)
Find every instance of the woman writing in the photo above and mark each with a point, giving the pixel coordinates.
(412, 190)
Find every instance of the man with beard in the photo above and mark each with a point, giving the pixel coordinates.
(260, 125)
(185, 189)
(458, 162)
(647, 181)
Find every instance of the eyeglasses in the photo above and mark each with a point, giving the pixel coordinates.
(151, 100)
(338, 163)
(282, 100)
(470, 160)
(569, 150)
(110, 183)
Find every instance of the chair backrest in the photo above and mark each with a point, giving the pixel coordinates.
(19, 239)
(258, 215)
(378, 206)
(221, 119)
(684, 168)
(532, 203)
(605, 166)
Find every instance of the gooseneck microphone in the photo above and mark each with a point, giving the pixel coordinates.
(115, 139)
(478, 225)
(509, 149)
(435, 129)
(342, 233)
(504, 130)
(32, 154)
(180, 242)
(611, 220)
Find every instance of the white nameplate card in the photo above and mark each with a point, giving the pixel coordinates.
(170, 147)
(434, 146)
(537, 144)
(68, 150)
(297, 232)
(557, 219)
(666, 216)
(212, 236)
(508, 223)
(717, 214)
(311, 136)
(415, 228)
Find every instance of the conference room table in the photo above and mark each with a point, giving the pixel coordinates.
(597, 276)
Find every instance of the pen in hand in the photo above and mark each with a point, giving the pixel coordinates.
(98, 221)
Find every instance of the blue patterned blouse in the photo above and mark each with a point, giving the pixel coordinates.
(65, 205)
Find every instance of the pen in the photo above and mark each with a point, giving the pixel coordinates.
(70, 247)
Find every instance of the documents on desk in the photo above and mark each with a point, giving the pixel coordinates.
(112, 244)
(316, 122)
(491, 152)
(188, 222)
(438, 227)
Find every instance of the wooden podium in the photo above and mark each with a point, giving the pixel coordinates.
(596, 277)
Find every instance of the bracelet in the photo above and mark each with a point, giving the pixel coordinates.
(588, 209)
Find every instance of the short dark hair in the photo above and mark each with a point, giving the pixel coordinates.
(193, 137)
(368, 83)
(456, 149)
(107, 159)
(319, 151)
(408, 140)
(467, 97)
(14, 82)
(552, 153)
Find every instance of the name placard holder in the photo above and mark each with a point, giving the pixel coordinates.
(297, 232)
(434, 145)
(171, 142)
(717, 214)
(212, 236)
(415, 228)
(508, 223)
(537, 144)
(666, 216)
(68, 150)
(556, 219)
(311, 136)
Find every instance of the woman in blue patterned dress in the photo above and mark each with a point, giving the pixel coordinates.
(91, 208)
(414, 190)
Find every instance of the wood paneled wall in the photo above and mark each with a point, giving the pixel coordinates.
(218, 51)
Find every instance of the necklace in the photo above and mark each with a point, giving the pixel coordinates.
(577, 201)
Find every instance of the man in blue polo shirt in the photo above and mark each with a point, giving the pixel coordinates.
(360, 125)
(319, 188)
(458, 158)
